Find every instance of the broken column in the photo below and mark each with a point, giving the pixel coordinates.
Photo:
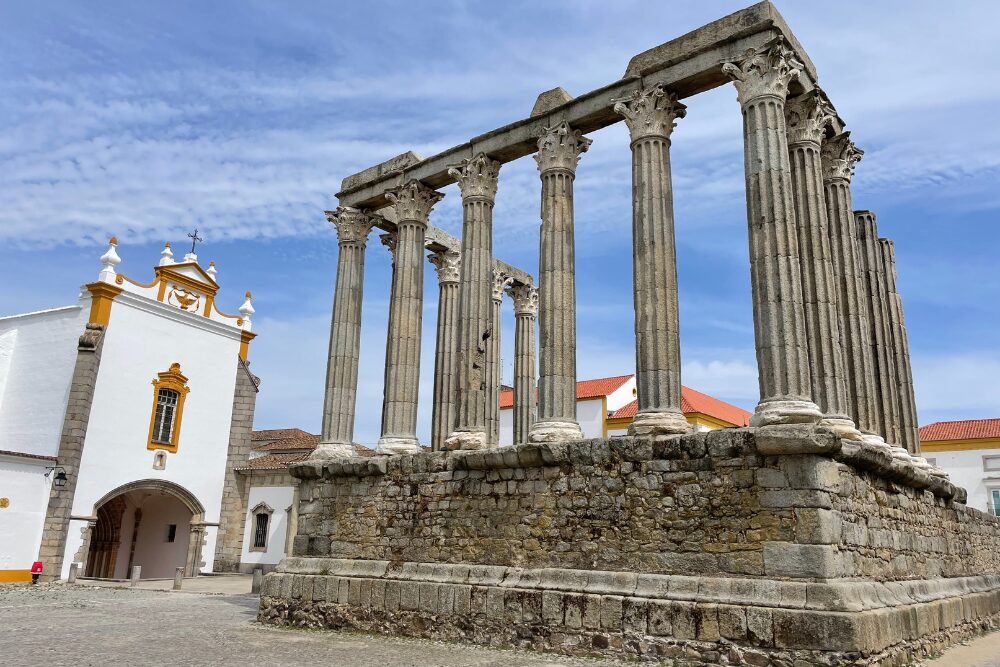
(650, 115)
(761, 78)
(807, 117)
(353, 227)
(412, 204)
(477, 178)
(559, 150)
(447, 264)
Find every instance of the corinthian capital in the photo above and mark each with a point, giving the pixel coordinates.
(448, 264)
(560, 147)
(477, 177)
(650, 112)
(413, 201)
(352, 224)
(501, 281)
(389, 241)
(839, 155)
(761, 73)
(806, 118)
(525, 299)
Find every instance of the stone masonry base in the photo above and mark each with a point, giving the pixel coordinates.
(687, 620)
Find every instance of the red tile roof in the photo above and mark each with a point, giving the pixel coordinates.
(286, 445)
(273, 461)
(584, 389)
(694, 401)
(25, 455)
(968, 429)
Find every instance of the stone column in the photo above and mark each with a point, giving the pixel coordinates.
(494, 372)
(909, 426)
(337, 437)
(762, 79)
(559, 150)
(839, 155)
(525, 310)
(806, 119)
(412, 203)
(477, 178)
(650, 116)
(876, 302)
(447, 264)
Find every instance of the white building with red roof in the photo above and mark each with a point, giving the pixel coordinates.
(606, 406)
(969, 451)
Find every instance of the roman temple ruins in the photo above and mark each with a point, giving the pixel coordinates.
(817, 534)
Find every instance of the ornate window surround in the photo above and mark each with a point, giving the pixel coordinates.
(260, 508)
(175, 380)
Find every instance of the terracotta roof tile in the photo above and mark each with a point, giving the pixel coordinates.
(584, 389)
(295, 439)
(277, 433)
(273, 461)
(695, 401)
(968, 429)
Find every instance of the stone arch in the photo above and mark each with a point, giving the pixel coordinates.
(103, 509)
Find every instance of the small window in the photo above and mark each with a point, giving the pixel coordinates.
(260, 530)
(991, 463)
(994, 507)
(172, 532)
(166, 410)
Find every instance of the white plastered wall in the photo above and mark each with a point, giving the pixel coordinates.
(966, 470)
(24, 484)
(279, 499)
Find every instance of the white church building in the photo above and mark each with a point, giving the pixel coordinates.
(122, 420)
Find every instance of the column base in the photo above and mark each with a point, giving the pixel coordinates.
(877, 441)
(326, 451)
(785, 411)
(554, 431)
(394, 445)
(842, 426)
(466, 440)
(656, 423)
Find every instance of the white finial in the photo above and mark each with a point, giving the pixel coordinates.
(109, 261)
(166, 256)
(212, 271)
(246, 310)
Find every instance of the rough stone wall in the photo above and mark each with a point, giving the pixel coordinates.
(229, 542)
(711, 503)
(74, 434)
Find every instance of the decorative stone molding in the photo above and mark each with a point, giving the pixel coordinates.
(501, 281)
(414, 201)
(389, 241)
(448, 265)
(560, 147)
(525, 299)
(650, 112)
(92, 335)
(840, 155)
(761, 73)
(477, 177)
(353, 225)
(806, 118)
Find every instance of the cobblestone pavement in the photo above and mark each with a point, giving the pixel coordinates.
(55, 625)
(81, 626)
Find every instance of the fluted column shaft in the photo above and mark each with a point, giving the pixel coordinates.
(443, 410)
(493, 369)
(353, 227)
(900, 345)
(477, 179)
(806, 119)
(839, 155)
(761, 80)
(413, 203)
(559, 151)
(525, 311)
(884, 362)
(650, 115)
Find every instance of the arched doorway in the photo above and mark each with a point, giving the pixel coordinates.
(154, 524)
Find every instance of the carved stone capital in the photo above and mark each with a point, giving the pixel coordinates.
(389, 241)
(448, 265)
(839, 155)
(560, 148)
(650, 112)
(762, 73)
(353, 225)
(414, 201)
(525, 299)
(806, 118)
(477, 177)
(501, 281)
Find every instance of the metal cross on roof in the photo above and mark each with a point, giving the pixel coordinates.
(194, 239)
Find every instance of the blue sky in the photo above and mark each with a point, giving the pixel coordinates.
(146, 120)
